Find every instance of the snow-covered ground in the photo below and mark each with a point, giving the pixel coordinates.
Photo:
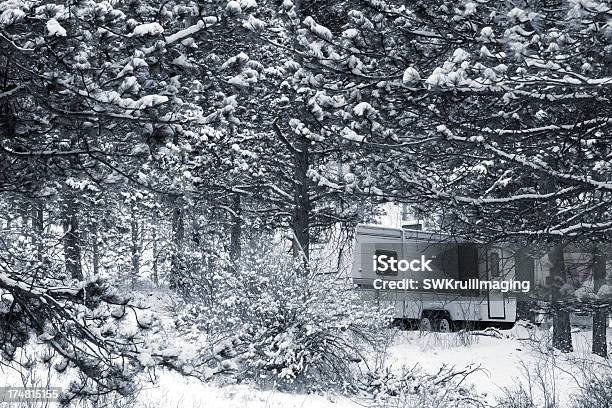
(503, 362)
(174, 391)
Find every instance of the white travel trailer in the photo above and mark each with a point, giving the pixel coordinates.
(432, 257)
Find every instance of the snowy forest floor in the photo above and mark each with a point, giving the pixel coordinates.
(504, 362)
(506, 359)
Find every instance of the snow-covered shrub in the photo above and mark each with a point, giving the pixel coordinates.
(595, 392)
(438, 340)
(414, 388)
(274, 321)
(536, 388)
(519, 396)
(595, 384)
(89, 330)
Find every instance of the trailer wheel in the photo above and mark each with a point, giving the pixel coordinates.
(425, 324)
(444, 325)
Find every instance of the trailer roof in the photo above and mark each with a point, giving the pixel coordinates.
(372, 227)
(405, 233)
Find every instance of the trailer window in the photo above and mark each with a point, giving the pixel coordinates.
(467, 261)
(468, 265)
(494, 265)
(388, 254)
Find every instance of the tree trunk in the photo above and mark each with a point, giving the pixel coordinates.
(236, 230)
(524, 271)
(135, 248)
(600, 317)
(301, 202)
(562, 333)
(72, 239)
(178, 234)
(155, 251)
(95, 247)
(38, 227)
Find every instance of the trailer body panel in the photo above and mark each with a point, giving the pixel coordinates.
(451, 259)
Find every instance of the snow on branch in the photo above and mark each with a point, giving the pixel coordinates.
(191, 30)
(531, 163)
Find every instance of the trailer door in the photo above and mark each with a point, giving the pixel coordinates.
(497, 299)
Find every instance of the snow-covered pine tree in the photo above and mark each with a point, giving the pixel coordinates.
(496, 116)
(94, 105)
